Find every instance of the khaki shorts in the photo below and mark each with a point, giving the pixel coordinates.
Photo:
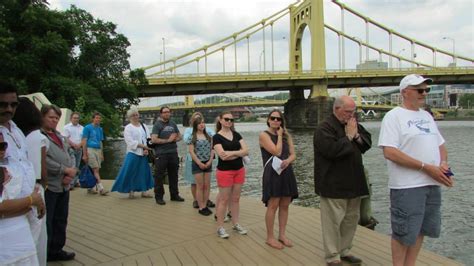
(93, 156)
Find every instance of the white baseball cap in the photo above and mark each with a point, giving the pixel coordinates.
(413, 80)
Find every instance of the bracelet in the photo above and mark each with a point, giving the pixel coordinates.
(422, 166)
(444, 162)
(31, 200)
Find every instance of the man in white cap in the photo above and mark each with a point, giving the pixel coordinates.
(417, 163)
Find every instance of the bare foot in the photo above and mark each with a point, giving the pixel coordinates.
(274, 244)
(285, 241)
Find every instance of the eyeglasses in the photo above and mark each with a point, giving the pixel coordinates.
(5, 105)
(3, 146)
(229, 119)
(420, 91)
(276, 118)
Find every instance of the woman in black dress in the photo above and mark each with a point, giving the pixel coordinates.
(278, 189)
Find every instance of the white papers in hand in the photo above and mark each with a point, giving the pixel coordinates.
(276, 164)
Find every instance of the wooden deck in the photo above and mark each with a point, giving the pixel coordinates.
(121, 231)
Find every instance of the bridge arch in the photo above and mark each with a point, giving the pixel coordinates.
(309, 14)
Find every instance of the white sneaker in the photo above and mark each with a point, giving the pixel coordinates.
(239, 229)
(222, 233)
(227, 218)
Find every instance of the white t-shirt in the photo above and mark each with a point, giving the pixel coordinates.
(73, 133)
(35, 141)
(133, 136)
(416, 134)
(16, 239)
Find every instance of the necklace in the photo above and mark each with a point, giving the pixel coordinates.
(14, 140)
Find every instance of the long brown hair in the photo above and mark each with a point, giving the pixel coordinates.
(198, 120)
(218, 122)
(283, 123)
(193, 116)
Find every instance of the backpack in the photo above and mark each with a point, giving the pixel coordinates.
(87, 178)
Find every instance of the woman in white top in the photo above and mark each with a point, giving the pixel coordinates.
(29, 121)
(16, 201)
(135, 174)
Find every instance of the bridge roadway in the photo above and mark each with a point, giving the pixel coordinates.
(186, 84)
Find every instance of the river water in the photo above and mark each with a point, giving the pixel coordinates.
(457, 235)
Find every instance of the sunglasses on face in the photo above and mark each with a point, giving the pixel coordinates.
(5, 105)
(3, 146)
(229, 119)
(276, 118)
(420, 91)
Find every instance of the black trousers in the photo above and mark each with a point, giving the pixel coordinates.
(57, 211)
(166, 163)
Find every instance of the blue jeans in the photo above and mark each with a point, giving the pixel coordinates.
(78, 158)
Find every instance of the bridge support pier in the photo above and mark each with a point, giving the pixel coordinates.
(307, 113)
(186, 117)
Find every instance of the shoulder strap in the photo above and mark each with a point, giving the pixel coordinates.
(143, 126)
(146, 136)
(269, 159)
(268, 133)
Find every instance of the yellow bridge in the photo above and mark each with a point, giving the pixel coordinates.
(259, 102)
(228, 65)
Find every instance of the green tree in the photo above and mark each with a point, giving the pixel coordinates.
(77, 61)
(35, 44)
(467, 101)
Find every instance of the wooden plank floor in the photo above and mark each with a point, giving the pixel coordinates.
(120, 231)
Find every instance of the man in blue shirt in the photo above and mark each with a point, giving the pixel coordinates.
(92, 152)
(165, 134)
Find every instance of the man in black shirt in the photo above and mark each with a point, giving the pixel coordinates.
(165, 134)
(339, 178)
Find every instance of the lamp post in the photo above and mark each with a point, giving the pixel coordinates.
(454, 48)
(164, 52)
(161, 60)
(399, 60)
(359, 42)
(260, 61)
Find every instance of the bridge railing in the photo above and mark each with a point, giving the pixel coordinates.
(312, 73)
(225, 44)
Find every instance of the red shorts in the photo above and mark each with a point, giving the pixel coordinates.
(229, 177)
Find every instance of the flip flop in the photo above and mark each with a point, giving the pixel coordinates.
(273, 245)
(288, 243)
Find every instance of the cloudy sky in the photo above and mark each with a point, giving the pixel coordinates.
(189, 24)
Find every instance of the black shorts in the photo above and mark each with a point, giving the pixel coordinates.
(196, 169)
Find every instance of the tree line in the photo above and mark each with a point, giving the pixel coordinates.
(77, 61)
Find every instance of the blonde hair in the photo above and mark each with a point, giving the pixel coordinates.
(131, 111)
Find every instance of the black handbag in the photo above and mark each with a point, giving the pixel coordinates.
(151, 145)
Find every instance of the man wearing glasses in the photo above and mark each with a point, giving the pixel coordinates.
(417, 166)
(339, 178)
(17, 240)
(165, 134)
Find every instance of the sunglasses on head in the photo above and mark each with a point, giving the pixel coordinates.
(420, 91)
(3, 146)
(276, 118)
(5, 105)
(229, 119)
